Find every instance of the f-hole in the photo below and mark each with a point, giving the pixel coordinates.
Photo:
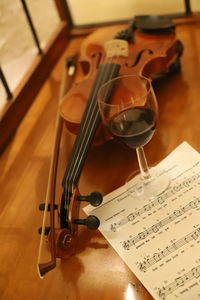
(137, 60)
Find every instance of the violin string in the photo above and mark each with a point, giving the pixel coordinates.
(85, 130)
(80, 151)
(70, 179)
(90, 113)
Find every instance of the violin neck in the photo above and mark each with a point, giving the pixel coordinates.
(88, 127)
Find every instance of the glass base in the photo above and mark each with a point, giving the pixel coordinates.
(137, 186)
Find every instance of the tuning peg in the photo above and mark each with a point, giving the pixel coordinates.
(46, 230)
(92, 222)
(94, 198)
(42, 206)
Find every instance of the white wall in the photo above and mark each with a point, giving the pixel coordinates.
(93, 11)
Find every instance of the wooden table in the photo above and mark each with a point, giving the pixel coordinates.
(95, 271)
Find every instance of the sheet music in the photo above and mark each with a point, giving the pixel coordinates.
(159, 238)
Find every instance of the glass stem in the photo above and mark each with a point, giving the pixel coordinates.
(144, 169)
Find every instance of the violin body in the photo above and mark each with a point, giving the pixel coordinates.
(149, 56)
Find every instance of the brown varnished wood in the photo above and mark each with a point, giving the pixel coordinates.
(95, 271)
(163, 50)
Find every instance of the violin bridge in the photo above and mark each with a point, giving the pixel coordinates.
(115, 48)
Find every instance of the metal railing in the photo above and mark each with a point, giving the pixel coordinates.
(66, 10)
(188, 11)
(37, 43)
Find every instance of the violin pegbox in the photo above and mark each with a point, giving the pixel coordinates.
(91, 222)
(117, 48)
(66, 237)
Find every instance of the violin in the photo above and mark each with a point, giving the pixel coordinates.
(147, 47)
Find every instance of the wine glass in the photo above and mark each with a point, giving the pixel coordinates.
(129, 110)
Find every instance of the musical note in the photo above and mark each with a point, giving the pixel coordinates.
(126, 244)
(178, 282)
(130, 217)
(159, 200)
(156, 227)
(194, 235)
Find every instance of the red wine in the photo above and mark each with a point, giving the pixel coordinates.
(134, 126)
